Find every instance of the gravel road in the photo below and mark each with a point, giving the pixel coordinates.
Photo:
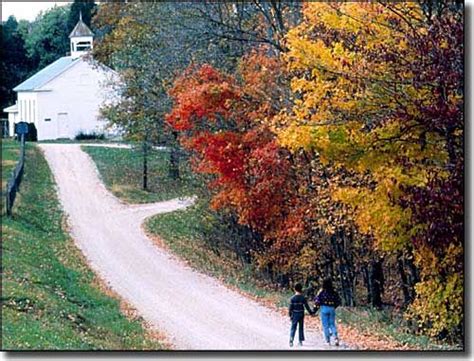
(195, 311)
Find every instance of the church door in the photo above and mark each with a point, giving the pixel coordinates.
(63, 125)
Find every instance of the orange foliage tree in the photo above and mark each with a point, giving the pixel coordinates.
(283, 197)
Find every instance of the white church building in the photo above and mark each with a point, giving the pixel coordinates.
(64, 98)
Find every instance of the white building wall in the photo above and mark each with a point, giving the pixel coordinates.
(27, 107)
(70, 103)
(12, 119)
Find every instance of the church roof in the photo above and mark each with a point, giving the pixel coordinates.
(11, 109)
(81, 29)
(45, 75)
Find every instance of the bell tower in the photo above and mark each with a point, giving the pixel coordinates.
(81, 38)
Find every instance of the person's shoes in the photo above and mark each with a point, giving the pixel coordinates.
(300, 343)
(291, 343)
(328, 343)
(336, 342)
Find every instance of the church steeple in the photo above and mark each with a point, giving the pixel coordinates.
(81, 39)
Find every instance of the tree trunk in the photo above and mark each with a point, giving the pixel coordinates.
(377, 283)
(368, 285)
(339, 243)
(403, 276)
(145, 166)
(173, 170)
(349, 268)
(414, 276)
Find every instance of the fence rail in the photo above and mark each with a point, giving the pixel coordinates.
(13, 185)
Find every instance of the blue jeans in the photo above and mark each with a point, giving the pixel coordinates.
(328, 320)
(297, 321)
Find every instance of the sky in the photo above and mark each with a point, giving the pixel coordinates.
(26, 10)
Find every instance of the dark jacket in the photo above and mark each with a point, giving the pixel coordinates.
(327, 298)
(297, 305)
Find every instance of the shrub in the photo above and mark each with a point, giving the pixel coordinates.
(89, 136)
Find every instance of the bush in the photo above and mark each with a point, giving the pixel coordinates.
(89, 136)
(32, 135)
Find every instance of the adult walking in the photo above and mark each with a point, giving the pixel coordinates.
(328, 300)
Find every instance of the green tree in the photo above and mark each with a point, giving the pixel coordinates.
(148, 44)
(47, 37)
(14, 64)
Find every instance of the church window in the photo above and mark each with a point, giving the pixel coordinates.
(83, 45)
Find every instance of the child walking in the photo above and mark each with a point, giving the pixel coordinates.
(328, 300)
(296, 312)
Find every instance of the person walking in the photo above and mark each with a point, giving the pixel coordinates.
(296, 311)
(327, 301)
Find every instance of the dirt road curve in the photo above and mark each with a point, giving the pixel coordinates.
(193, 310)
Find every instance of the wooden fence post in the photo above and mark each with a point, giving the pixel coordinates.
(13, 185)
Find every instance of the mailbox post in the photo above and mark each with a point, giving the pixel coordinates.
(22, 129)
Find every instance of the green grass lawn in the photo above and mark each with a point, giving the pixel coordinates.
(50, 298)
(121, 171)
(180, 232)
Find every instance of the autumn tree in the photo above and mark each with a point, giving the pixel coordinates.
(378, 92)
(296, 231)
(248, 24)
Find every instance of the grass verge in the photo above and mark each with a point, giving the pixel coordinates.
(51, 300)
(121, 171)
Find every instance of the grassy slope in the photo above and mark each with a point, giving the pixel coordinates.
(50, 299)
(124, 178)
(366, 328)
